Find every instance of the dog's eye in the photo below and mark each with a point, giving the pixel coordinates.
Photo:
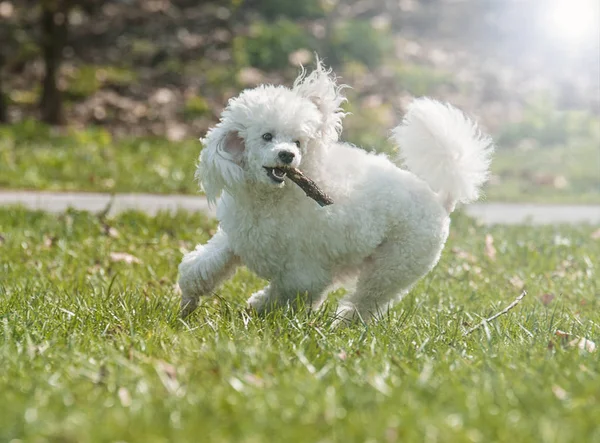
(267, 136)
(297, 143)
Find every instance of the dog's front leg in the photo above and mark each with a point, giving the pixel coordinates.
(203, 269)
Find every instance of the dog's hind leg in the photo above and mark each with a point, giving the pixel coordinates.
(389, 273)
(277, 295)
(203, 269)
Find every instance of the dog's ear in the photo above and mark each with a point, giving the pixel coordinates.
(220, 161)
(321, 88)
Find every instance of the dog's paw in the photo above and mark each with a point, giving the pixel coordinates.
(346, 315)
(188, 305)
(258, 302)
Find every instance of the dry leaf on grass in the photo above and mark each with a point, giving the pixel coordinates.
(254, 380)
(577, 342)
(559, 392)
(124, 396)
(110, 231)
(596, 234)
(49, 241)
(584, 344)
(546, 298)
(517, 282)
(124, 257)
(490, 250)
(464, 255)
(168, 376)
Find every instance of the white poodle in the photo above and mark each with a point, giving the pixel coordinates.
(386, 227)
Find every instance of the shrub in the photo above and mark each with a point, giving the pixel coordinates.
(196, 106)
(293, 9)
(269, 45)
(548, 126)
(359, 41)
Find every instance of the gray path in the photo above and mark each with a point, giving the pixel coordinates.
(489, 213)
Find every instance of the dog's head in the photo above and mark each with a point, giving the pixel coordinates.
(267, 128)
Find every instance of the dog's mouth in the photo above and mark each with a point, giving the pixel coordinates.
(276, 174)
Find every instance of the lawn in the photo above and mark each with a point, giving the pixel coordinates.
(91, 348)
(33, 156)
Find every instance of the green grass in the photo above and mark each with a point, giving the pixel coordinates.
(33, 156)
(91, 348)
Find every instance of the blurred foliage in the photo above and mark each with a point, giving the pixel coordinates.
(543, 124)
(294, 9)
(421, 80)
(88, 79)
(364, 126)
(196, 106)
(268, 45)
(548, 155)
(550, 174)
(25, 97)
(358, 40)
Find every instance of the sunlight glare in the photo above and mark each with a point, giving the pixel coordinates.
(573, 22)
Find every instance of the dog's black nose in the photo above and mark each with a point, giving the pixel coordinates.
(286, 156)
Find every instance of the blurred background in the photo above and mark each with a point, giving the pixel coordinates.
(112, 95)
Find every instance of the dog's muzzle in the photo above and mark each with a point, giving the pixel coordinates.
(275, 174)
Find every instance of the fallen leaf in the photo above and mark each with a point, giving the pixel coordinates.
(559, 240)
(546, 298)
(168, 376)
(559, 392)
(124, 257)
(48, 241)
(391, 434)
(2, 239)
(124, 396)
(517, 282)
(490, 250)
(110, 231)
(464, 255)
(254, 380)
(580, 342)
(94, 269)
(584, 344)
(167, 368)
(596, 235)
(236, 384)
(560, 182)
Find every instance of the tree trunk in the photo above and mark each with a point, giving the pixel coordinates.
(54, 21)
(3, 112)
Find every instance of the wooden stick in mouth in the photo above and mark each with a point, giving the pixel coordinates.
(309, 187)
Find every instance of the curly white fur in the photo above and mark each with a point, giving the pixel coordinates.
(386, 228)
(446, 149)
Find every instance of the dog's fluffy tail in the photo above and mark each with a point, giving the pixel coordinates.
(439, 144)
